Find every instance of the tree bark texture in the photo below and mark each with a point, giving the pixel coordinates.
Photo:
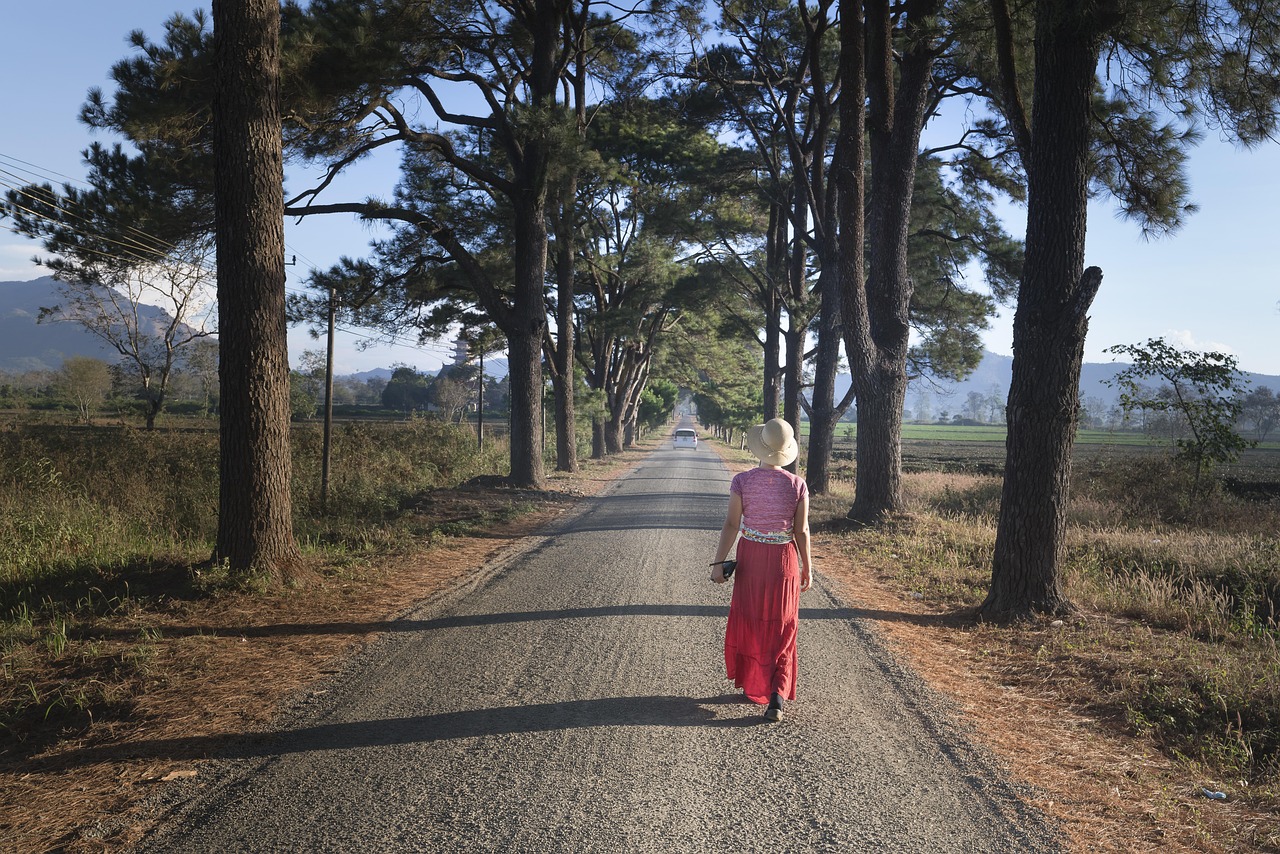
(524, 342)
(525, 325)
(849, 178)
(255, 520)
(631, 412)
(620, 376)
(772, 354)
(797, 306)
(563, 362)
(881, 335)
(1051, 321)
(825, 411)
(775, 265)
(624, 384)
(822, 434)
(808, 149)
(793, 374)
(613, 434)
(597, 439)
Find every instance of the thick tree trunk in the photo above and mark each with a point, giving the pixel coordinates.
(615, 403)
(597, 439)
(880, 340)
(1051, 321)
(624, 384)
(825, 412)
(635, 392)
(526, 323)
(525, 367)
(775, 265)
(613, 433)
(793, 376)
(850, 185)
(255, 519)
(564, 362)
(822, 434)
(596, 377)
(1043, 405)
(881, 392)
(772, 358)
(797, 307)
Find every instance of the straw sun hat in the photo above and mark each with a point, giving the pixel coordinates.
(774, 442)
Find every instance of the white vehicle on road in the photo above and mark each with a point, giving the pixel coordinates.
(686, 438)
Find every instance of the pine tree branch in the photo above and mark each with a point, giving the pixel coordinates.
(1015, 111)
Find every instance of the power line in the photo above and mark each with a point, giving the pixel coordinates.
(38, 173)
(131, 247)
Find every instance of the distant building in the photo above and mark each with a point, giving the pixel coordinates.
(460, 351)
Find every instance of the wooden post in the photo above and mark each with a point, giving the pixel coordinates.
(328, 413)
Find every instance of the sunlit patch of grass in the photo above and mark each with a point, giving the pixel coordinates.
(1177, 628)
(99, 526)
(1206, 582)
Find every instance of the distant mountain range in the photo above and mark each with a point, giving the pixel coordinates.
(28, 346)
(931, 398)
(495, 368)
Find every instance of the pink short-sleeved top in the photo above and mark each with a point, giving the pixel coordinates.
(769, 498)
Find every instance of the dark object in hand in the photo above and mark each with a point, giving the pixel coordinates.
(729, 566)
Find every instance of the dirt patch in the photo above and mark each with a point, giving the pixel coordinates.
(217, 668)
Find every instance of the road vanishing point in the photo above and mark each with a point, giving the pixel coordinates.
(572, 698)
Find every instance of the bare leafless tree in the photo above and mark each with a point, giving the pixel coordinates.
(111, 300)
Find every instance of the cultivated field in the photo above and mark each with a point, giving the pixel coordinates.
(980, 450)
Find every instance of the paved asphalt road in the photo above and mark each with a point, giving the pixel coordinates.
(575, 700)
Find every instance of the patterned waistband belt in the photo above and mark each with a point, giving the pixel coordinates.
(775, 538)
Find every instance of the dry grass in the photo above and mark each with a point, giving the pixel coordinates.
(1164, 682)
(189, 675)
(1069, 709)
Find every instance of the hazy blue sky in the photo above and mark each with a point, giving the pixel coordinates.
(1213, 285)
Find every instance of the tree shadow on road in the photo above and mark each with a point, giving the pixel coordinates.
(664, 711)
(505, 617)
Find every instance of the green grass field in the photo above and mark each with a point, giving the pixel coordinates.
(996, 433)
(980, 449)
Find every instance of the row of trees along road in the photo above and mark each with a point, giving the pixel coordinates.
(696, 189)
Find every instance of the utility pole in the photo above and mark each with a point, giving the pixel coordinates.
(328, 411)
(480, 405)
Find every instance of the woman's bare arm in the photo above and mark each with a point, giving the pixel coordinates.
(800, 531)
(728, 534)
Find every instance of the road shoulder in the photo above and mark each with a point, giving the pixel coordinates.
(228, 666)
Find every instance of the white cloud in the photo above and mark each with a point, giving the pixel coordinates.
(1184, 340)
(20, 273)
(15, 262)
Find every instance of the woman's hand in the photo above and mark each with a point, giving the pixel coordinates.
(806, 578)
(717, 574)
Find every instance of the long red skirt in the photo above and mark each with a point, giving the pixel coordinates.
(760, 640)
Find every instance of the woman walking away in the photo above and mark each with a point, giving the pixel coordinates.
(769, 507)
